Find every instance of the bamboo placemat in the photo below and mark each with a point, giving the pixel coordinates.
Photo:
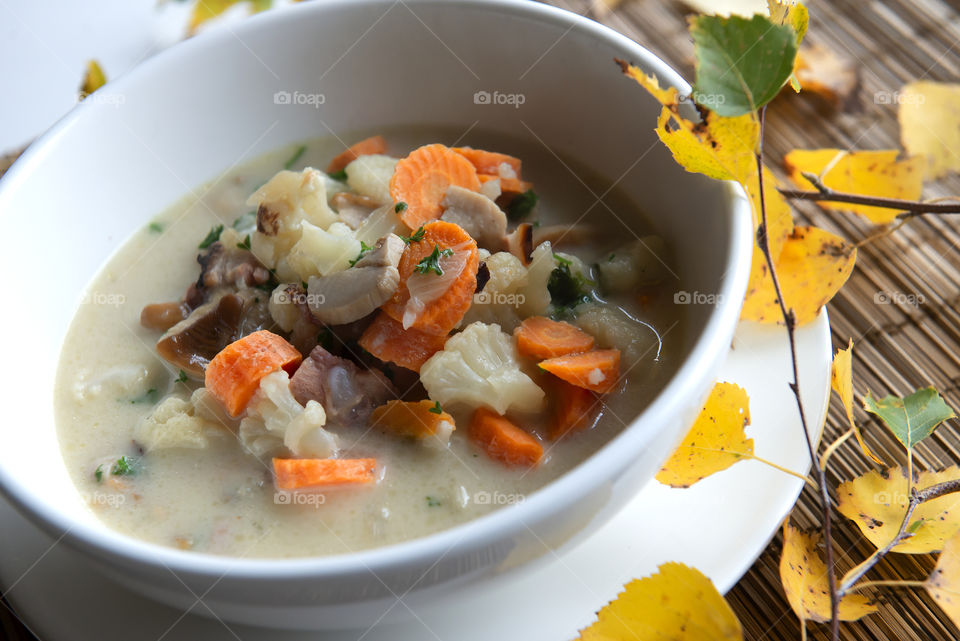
(899, 346)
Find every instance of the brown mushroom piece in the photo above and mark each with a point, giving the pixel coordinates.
(163, 316)
(478, 215)
(347, 296)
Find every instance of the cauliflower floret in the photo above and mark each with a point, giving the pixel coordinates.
(370, 176)
(171, 424)
(642, 262)
(536, 296)
(381, 222)
(614, 329)
(284, 204)
(319, 252)
(275, 420)
(501, 298)
(479, 367)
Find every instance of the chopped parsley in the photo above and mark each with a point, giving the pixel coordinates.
(124, 467)
(295, 157)
(436, 409)
(339, 176)
(611, 257)
(522, 205)
(416, 237)
(364, 248)
(245, 244)
(212, 236)
(399, 207)
(98, 473)
(432, 262)
(182, 377)
(433, 502)
(151, 396)
(155, 227)
(567, 289)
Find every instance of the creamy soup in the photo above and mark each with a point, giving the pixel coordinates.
(175, 437)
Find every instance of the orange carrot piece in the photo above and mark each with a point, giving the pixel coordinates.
(417, 419)
(488, 162)
(366, 147)
(421, 181)
(386, 339)
(597, 370)
(507, 185)
(541, 337)
(442, 314)
(298, 473)
(575, 409)
(234, 374)
(502, 440)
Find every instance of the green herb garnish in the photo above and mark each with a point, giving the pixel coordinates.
(155, 227)
(416, 237)
(182, 378)
(98, 473)
(364, 248)
(124, 467)
(432, 502)
(325, 339)
(245, 244)
(212, 236)
(432, 262)
(522, 205)
(151, 396)
(339, 176)
(436, 409)
(295, 157)
(399, 207)
(567, 290)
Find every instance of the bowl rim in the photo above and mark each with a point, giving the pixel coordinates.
(702, 359)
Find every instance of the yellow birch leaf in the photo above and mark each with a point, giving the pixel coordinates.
(715, 442)
(93, 79)
(804, 577)
(822, 71)
(793, 13)
(929, 114)
(868, 173)
(204, 10)
(877, 503)
(943, 584)
(676, 603)
(812, 267)
(841, 380)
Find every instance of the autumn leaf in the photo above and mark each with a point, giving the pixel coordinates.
(676, 603)
(943, 584)
(877, 503)
(912, 418)
(804, 577)
(929, 114)
(715, 442)
(727, 7)
(812, 267)
(792, 13)
(93, 79)
(871, 173)
(205, 10)
(841, 380)
(822, 71)
(741, 64)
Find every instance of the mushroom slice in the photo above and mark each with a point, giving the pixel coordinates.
(163, 316)
(386, 253)
(193, 342)
(353, 208)
(478, 215)
(520, 243)
(347, 296)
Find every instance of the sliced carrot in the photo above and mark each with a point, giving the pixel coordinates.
(442, 314)
(421, 181)
(575, 409)
(502, 440)
(386, 339)
(298, 473)
(417, 419)
(596, 370)
(488, 162)
(366, 147)
(541, 337)
(234, 374)
(507, 185)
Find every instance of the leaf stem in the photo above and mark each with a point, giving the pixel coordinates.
(909, 207)
(894, 583)
(806, 479)
(791, 322)
(833, 448)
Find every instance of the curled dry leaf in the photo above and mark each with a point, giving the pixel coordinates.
(841, 380)
(93, 79)
(911, 418)
(943, 584)
(877, 503)
(715, 442)
(871, 173)
(929, 114)
(823, 72)
(804, 577)
(677, 603)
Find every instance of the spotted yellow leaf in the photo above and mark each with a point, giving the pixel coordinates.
(715, 442)
(93, 79)
(790, 12)
(841, 380)
(943, 584)
(877, 503)
(869, 173)
(812, 267)
(804, 577)
(676, 603)
(929, 114)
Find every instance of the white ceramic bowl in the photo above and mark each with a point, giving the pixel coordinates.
(190, 113)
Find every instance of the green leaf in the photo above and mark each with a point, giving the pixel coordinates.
(522, 205)
(245, 243)
(912, 418)
(212, 236)
(741, 63)
(295, 157)
(432, 262)
(124, 467)
(436, 409)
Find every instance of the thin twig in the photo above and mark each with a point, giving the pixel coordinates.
(893, 583)
(909, 207)
(806, 479)
(791, 322)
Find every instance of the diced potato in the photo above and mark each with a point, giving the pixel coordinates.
(172, 424)
(320, 252)
(500, 301)
(370, 176)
